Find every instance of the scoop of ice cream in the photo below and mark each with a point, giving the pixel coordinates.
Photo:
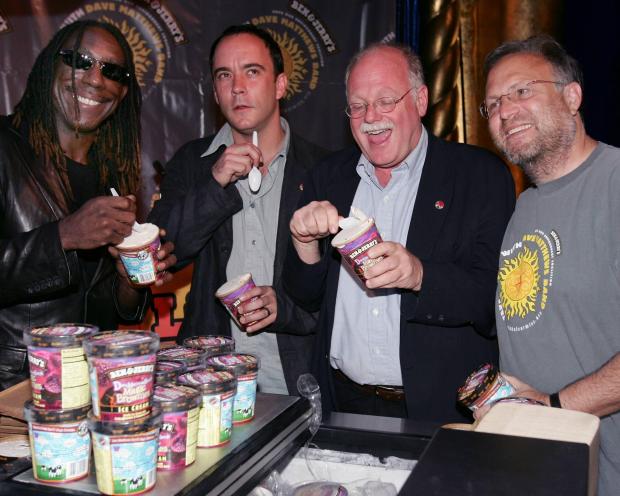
(141, 234)
(355, 218)
(352, 227)
(233, 284)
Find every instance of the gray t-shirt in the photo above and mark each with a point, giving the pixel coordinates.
(558, 298)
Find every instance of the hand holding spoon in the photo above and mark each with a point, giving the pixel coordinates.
(136, 226)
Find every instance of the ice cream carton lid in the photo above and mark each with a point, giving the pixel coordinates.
(233, 285)
(112, 344)
(60, 416)
(209, 380)
(322, 488)
(166, 371)
(122, 427)
(142, 235)
(211, 343)
(477, 383)
(175, 397)
(239, 363)
(347, 235)
(183, 354)
(59, 335)
(169, 366)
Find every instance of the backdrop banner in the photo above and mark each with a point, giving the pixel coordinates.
(171, 41)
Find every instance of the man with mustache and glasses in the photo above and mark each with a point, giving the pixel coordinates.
(401, 343)
(73, 136)
(558, 317)
(217, 220)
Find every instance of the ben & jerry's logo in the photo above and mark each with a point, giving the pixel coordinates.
(149, 27)
(525, 277)
(305, 41)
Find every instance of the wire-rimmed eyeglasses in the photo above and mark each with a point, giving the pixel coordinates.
(383, 105)
(519, 93)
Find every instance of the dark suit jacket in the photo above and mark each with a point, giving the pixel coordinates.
(197, 215)
(448, 328)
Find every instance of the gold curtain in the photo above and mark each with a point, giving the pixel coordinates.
(455, 37)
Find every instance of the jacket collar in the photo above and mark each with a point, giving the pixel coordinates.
(432, 202)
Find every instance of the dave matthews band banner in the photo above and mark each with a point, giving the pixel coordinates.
(171, 41)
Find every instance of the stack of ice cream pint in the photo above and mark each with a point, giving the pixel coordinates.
(145, 410)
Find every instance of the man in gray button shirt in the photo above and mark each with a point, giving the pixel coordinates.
(401, 343)
(226, 228)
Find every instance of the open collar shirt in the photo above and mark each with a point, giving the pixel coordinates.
(366, 332)
(255, 229)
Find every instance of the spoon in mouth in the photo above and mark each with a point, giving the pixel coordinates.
(136, 226)
(254, 177)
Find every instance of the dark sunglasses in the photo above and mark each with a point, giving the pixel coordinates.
(83, 62)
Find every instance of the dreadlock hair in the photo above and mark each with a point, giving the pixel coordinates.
(116, 149)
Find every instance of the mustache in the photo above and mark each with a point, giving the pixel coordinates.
(369, 127)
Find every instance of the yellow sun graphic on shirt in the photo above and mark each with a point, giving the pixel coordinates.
(294, 62)
(519, 283)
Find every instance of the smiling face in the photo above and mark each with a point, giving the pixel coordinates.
(97, 97)
(246, 87)
(386, 139)
(533, 133)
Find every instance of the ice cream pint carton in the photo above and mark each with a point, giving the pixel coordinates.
(245, 368)
(125, 453)
(484, 386)
(229, 293)
(138, 252)
(212, 344)
(59, 443)
(179, 430)
(58, 367)
(217, 389)
(358, 235)
(121, 367)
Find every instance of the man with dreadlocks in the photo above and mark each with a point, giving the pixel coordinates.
(74, 134)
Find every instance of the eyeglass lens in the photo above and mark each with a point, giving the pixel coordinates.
(83, 62)
(384, 105)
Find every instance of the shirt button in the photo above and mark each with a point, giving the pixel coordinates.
(252, 205)
(375, 312)
(386, 198)
(377, 351)
(253, 242)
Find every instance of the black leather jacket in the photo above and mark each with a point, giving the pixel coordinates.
(40, 283)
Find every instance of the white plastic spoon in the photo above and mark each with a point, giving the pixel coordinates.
(254, 177)
(136, 226)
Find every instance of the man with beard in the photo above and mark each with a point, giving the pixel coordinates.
(401, 343)
(558, 316)
(228, 228)
(73, 136)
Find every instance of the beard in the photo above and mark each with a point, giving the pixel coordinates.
(547, 151)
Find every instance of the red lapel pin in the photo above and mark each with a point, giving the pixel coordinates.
(439, 204)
